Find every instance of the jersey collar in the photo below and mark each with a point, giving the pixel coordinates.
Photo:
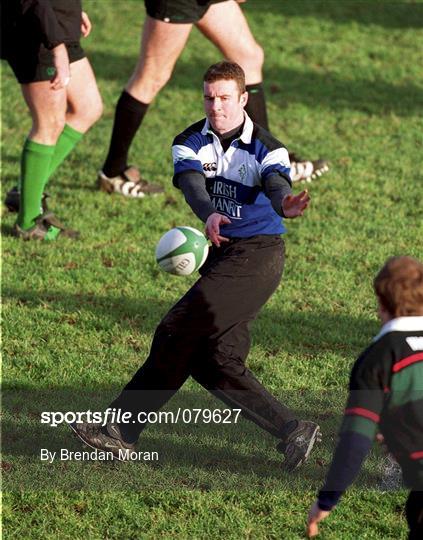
(246, 134)
(401, 324)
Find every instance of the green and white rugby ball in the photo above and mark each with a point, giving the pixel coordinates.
(182, 251)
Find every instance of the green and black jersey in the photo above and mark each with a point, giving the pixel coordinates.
(386, 389)
(386, 395)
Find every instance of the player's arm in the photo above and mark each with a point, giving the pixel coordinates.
(359, 427)
(193, 186)
(275, 170)
(350, 453)
(190, 179)
(277, 188)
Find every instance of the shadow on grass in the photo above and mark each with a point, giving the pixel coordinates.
(289, 86)
(190, 455)
(6, 230)
(10, 158)
(385, 14)
(303, 333)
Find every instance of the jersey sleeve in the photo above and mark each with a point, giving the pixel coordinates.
(349, 455)
(361, 418)
(366, 393)
(276, 187)
(193, 186)
(185, 159)
(276, 162)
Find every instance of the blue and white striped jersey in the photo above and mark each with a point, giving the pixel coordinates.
(234, 179)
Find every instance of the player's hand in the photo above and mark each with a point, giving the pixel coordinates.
(294, 205)
(315, 515)
(380, 438)
(213, 223)
(85, 24)
(61, 78)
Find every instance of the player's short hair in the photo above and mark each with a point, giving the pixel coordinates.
(399, 286)
(228, 71)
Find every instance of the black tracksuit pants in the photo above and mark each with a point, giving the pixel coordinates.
(414, 513)
(206, 335)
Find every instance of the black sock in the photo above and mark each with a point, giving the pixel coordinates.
(256, 105)
(257, 111)
(128, 117)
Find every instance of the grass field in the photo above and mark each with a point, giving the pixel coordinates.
(343, 81)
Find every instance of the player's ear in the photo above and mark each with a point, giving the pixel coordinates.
(244, 99)
(382, 311)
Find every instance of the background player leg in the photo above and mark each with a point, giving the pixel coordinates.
(226, 26)
(84, 108)
(47, 108)
(161, 45)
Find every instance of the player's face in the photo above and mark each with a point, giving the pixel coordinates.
(224, 105)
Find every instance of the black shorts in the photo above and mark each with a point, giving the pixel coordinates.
(178, 11)
(414, 513)
(34, 64)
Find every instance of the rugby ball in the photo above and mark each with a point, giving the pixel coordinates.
(182, 251)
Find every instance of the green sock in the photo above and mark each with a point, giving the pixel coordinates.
(65, 144)
(35, 168)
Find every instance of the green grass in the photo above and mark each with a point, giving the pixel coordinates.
(343, 80)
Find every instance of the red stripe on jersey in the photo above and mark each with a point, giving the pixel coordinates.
(417, 455)
(407, 361)
(363, 412)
